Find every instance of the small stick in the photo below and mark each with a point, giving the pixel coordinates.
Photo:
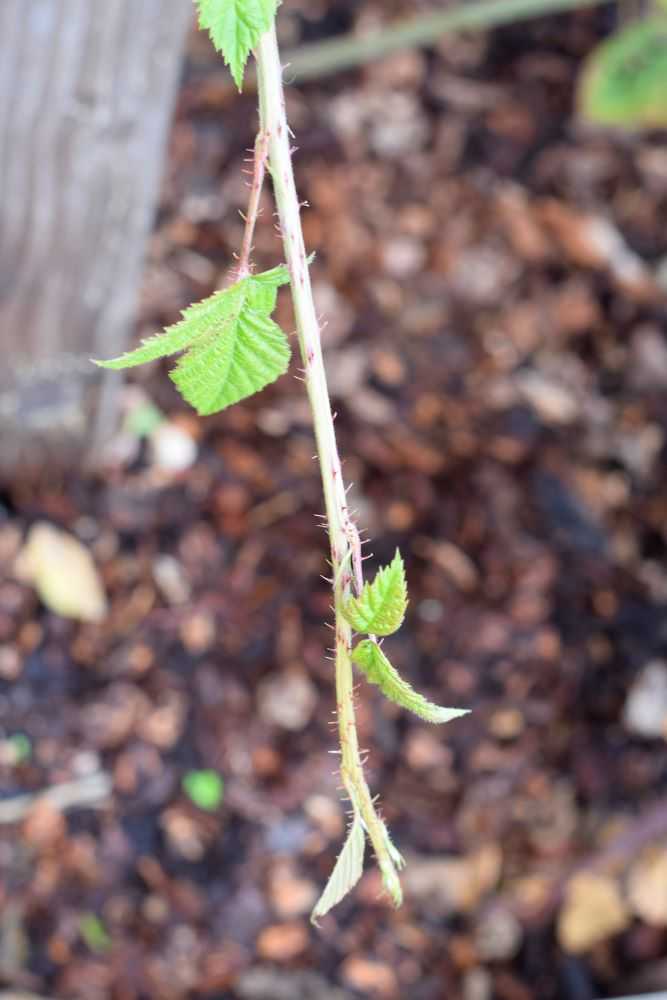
(84, 792)
(259, 169)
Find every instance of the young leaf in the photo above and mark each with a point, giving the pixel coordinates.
(232, 346)
(395, 855)
(624, 81)
(390, 868)
(235, 27)
(368, 655)
(346, 873)
(380, 608)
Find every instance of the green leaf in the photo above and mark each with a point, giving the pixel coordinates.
(94, 933)
(232, 346)
(380, 608)
(368, 655)
(21, 748)
(144, 420)
(347, 871)
(235, 27)
(624, 81)
(395, 855)
(390, 879)
(204, 788)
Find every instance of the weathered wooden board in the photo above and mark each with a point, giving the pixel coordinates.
(86, 95)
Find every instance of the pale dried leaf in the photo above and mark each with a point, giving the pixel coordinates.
(647, 887)
(63, 573)
(592, 912)
(346, 873)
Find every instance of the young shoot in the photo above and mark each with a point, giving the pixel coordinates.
(229, 348)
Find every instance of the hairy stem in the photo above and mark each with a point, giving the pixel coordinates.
(343, 535)
(259, 168)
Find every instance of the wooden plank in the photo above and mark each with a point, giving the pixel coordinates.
(86, 95)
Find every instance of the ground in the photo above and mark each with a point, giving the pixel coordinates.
(492, 272)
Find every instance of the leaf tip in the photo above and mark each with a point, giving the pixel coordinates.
(392, 885)
(237, 76)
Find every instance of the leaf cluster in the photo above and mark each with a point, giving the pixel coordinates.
(380, 610)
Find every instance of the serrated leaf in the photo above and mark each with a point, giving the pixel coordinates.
(378, 670)
(235, 27)
(347, 871)
(232, 346)
(380, 608)
(624, 81)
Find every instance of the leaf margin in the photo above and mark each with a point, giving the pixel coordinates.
(381, 606)
(346, 872)
(379, 670)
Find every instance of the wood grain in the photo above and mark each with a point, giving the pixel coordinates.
(86, 95)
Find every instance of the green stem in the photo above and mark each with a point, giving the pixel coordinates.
(323, 58)
(341, 529)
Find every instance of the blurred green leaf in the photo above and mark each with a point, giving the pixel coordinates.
(21, 747)
(624, 81)
(94, 933)
(144, 419)
(204, 788)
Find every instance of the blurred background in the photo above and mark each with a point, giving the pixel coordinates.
(492, 270)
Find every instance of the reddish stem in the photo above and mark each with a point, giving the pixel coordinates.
(259, 169)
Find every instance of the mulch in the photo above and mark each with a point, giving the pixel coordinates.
(492, 271)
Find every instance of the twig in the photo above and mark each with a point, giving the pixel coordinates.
(12, 995)
(325, 58)
(82, 793)
(648, 827)
(259, 168)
